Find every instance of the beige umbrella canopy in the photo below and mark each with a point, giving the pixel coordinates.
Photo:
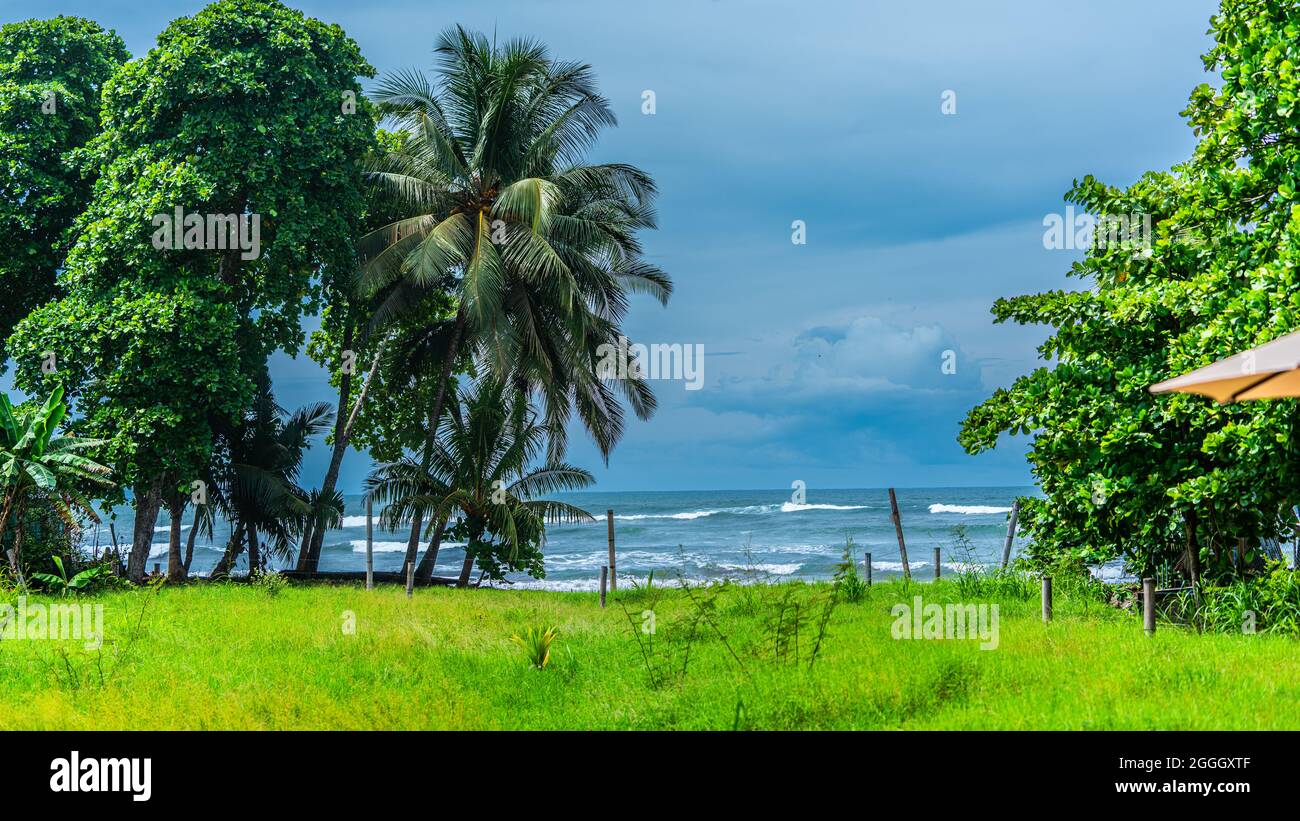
(1271, 371)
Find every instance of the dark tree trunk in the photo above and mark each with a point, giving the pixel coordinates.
(175, 510)
(189, 542)
(413, 541)
(254, 552)
(233, 548)
(314, 537)
(148, 501)
(16, 553)
(5, 510)
(417, 521)
(467, 567)
(309, 556)
(425, 571)
(431, 436)
(1193, 551)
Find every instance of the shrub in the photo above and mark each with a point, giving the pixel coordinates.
(536, 644)
(851, 586)
(270, 582)
(1266, 604)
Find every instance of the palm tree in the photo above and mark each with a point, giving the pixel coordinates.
(480, 473)
(37, 461)
(545, 245)
(258, 486)
(540, 247)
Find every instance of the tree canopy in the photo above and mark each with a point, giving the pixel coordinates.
(51, 74)
(1126, 473)
(249, 111)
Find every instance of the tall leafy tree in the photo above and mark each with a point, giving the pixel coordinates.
(51, 74)
(1163, 480)
(249, 109)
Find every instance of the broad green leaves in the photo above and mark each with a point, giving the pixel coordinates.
(1123, 471)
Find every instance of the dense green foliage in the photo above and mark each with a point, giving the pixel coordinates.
(239, 110)
(51, 73)
(1125, 473)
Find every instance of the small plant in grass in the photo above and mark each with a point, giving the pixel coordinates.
(795, 623)
(851, 586)
(270, 582)
(536, 644)
(85, 581)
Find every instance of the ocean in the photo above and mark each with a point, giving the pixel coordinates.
(698, 535)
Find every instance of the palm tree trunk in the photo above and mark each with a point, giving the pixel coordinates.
(148, 501)
(175, 567)
(189, 542)
(468, 566)
(254, 552)
(313, 536)
(233, 548)
(465, 570)
(425, 571)
(435, 416)
(417, 520)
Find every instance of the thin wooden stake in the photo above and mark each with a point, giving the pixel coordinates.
(937, 565)
(1149, 606)
(898, 528)
(867, 563)
(1047, 599)
(613, 573)
(410, 579)
(370, 544)
(604, 577)
(1011, 533)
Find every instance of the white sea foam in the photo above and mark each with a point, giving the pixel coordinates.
(784, 507)
(359, 546)
(774, 569)
(887, 566)
(968, 509)
(695, 514)
(360, 521)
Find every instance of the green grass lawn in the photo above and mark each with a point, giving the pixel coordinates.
(233, 656)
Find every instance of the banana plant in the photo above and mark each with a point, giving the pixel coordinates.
(37, 462)
(65, 586)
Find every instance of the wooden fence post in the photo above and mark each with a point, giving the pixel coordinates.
(370, 544)
(157, 568)
(1011, 533)
(613, 573)
(937, 564)
(898, 528)
(1047, 599)
(867, 563)
(604, 576)
(1149, 606)
(410, 579)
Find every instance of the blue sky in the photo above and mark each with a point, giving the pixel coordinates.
(822, 360)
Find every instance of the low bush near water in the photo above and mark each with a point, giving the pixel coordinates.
(1263, 604)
